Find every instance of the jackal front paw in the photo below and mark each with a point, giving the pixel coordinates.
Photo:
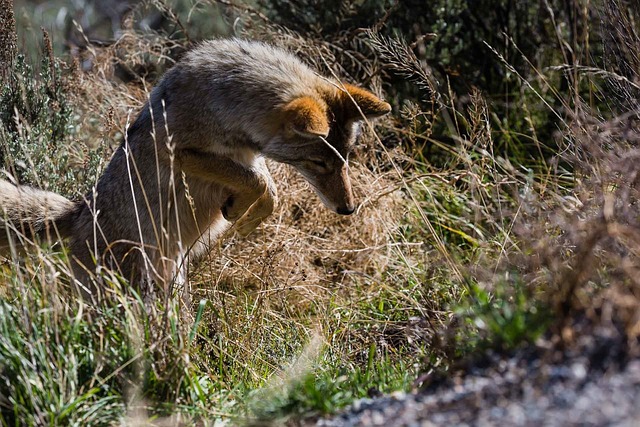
(239, 202)
(258, 212)
(236, 206)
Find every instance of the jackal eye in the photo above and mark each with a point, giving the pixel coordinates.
(317, 164)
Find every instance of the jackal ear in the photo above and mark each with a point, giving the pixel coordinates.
(306, 117)
(370, 105)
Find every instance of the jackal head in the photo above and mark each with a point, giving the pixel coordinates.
(318, 133)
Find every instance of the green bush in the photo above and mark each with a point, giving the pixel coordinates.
(37, 131)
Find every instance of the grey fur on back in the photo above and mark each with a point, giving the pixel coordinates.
(230, 88)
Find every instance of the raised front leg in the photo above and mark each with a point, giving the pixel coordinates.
(247, 184)
(263, 207)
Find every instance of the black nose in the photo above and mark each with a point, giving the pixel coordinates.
(346, 210)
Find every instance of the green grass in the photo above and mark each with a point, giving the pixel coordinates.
(65, 363)
(329, 387)
(62, 362)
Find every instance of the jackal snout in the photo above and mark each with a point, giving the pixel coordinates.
(334, 189)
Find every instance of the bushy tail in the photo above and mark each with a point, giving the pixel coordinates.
(29, 212)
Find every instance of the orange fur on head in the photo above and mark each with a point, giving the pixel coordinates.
(307, 117)
(370, 105)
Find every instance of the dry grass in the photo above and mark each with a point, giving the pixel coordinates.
(305, 245)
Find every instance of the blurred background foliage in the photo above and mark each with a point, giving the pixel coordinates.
(490, 46)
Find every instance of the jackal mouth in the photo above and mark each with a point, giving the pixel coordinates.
(346, 210)
(341, 209)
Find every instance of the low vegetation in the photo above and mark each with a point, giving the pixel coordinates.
(499, 204)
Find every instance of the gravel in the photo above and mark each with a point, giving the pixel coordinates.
(595, 383)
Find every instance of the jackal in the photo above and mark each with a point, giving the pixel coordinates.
(194, 157)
